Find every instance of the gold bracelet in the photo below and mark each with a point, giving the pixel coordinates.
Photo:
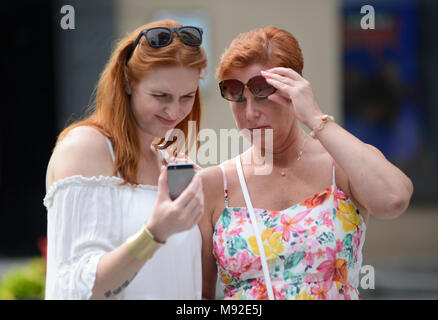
(142, 244)
(324, 119)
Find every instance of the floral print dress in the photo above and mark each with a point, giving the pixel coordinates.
(313, 249)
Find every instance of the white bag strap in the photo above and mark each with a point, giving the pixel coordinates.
(256, 229)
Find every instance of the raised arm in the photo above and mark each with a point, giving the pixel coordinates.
(375, 183)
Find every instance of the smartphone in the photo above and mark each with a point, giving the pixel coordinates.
(179, 176)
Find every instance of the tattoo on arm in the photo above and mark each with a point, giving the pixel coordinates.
(110, 293)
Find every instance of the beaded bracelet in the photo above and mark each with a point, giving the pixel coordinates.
(324, 119)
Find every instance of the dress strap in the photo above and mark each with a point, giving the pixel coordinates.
(256, 230)
(225, 185)
(110, 147)
(334, 174)
(111, 150)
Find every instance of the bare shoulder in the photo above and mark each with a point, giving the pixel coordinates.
(323, 160)
(211, 180)
(83, 151)
(343, 181)
(213, 187)
(213, 177)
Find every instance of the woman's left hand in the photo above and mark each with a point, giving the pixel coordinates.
(294, 90)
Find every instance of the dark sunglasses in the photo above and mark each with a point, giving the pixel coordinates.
(162, 36)
(232, 89)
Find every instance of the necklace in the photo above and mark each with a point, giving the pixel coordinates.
(300, 153)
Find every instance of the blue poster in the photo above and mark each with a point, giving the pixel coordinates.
(381, 78)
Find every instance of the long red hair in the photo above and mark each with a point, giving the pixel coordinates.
(268, 46)
(111, 113)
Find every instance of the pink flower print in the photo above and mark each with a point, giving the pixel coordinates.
(219, 252)
(356, 243)
(308, 278)
(258, 289)
(308, 258)
(274, 214)
(219, 230)
(339, 246)
(301, 240)
(312, 230)
(235, 232)
(279, 294)
(308, 221)
(328, 222)
(239, 214)
(242, 262)
(321, 291)
(320, 253)
(339, 195)
(241, 221)
(289, 225)
(332, 268)
(345, 293)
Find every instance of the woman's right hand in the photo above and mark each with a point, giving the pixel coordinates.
(170, 217)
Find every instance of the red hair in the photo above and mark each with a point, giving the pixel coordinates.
(268, 46)
(112, 114)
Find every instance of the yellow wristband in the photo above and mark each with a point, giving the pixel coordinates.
(142, 244)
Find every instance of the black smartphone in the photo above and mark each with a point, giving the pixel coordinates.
(179, 176)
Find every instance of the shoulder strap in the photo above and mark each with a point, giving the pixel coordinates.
(256, 229)
(111, 150)
(225, 185)
(110, 147)
(334, 174)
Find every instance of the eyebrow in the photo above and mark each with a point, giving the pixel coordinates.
(164, 92)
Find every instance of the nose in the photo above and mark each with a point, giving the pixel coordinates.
(252, 108)
(174, 109)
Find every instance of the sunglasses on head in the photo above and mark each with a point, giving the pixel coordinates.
(162, 36)
(232, 89)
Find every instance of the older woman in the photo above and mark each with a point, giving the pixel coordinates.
(297, 232)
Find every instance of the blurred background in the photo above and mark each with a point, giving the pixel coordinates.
(380, 84)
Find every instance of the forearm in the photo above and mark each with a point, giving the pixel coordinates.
(382, 188)
(116, 269)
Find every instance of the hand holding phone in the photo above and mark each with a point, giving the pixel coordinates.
(177, 181)
(179, 176)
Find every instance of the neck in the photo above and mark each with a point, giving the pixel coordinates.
(284, 152)
(145, 140)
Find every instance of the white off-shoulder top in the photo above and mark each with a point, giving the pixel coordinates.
(88, 217)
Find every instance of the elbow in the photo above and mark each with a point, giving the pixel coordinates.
(398, 206)
(400, 202)
(394, 207)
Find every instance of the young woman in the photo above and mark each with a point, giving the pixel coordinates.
(113, 231)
